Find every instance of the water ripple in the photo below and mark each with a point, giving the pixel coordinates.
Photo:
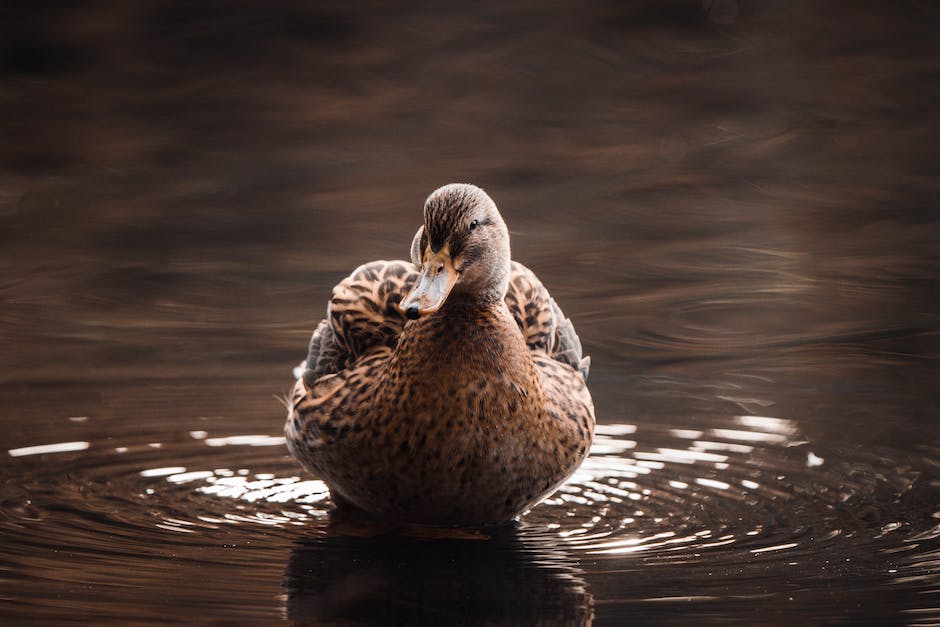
(750, 497)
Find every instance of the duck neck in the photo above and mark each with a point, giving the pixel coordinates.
(461, 305)
(466, 335)
(463, 300)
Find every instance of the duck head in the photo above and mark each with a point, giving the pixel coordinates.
(461, 251)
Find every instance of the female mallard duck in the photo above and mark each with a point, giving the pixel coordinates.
(468, 412)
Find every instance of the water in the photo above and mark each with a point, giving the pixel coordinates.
(735, 204)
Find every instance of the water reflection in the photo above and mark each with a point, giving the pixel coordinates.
(659, 517)
(508, 578)
(43, 449)
(735, 203)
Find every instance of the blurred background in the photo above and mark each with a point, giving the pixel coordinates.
(182, 183)
(734, 201)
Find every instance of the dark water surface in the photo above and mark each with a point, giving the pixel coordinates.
(735, 202)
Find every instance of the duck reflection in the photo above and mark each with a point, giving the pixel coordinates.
(504, 577)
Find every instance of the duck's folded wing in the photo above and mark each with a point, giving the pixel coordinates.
(362, 315)
(544, 325)
(566, 347)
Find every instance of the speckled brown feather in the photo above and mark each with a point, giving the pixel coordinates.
(362, 315)
(363, 311)
(343, 409)
(468, 416)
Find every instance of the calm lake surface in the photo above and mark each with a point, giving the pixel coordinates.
(735, 202)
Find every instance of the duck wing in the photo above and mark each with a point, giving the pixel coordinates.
(544, 325)
(362, 316)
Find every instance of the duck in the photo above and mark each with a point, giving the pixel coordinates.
(448, 390)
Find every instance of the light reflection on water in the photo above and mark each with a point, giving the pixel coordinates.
(621, 483)
(652, 497)
(734, 203)
(622, 487)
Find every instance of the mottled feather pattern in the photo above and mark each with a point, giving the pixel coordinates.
(325, 421)
(544, 325)
(566, 346)
(445, 216)
(363, 312)
(529, 303)
(469, 415)
(324, 355)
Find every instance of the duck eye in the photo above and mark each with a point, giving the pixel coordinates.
(474, 224)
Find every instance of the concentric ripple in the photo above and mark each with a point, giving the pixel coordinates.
(749, 501)
(753, 483)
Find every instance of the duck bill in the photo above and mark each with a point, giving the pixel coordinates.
(438, 277)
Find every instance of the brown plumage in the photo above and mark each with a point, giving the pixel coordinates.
(467, 414)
